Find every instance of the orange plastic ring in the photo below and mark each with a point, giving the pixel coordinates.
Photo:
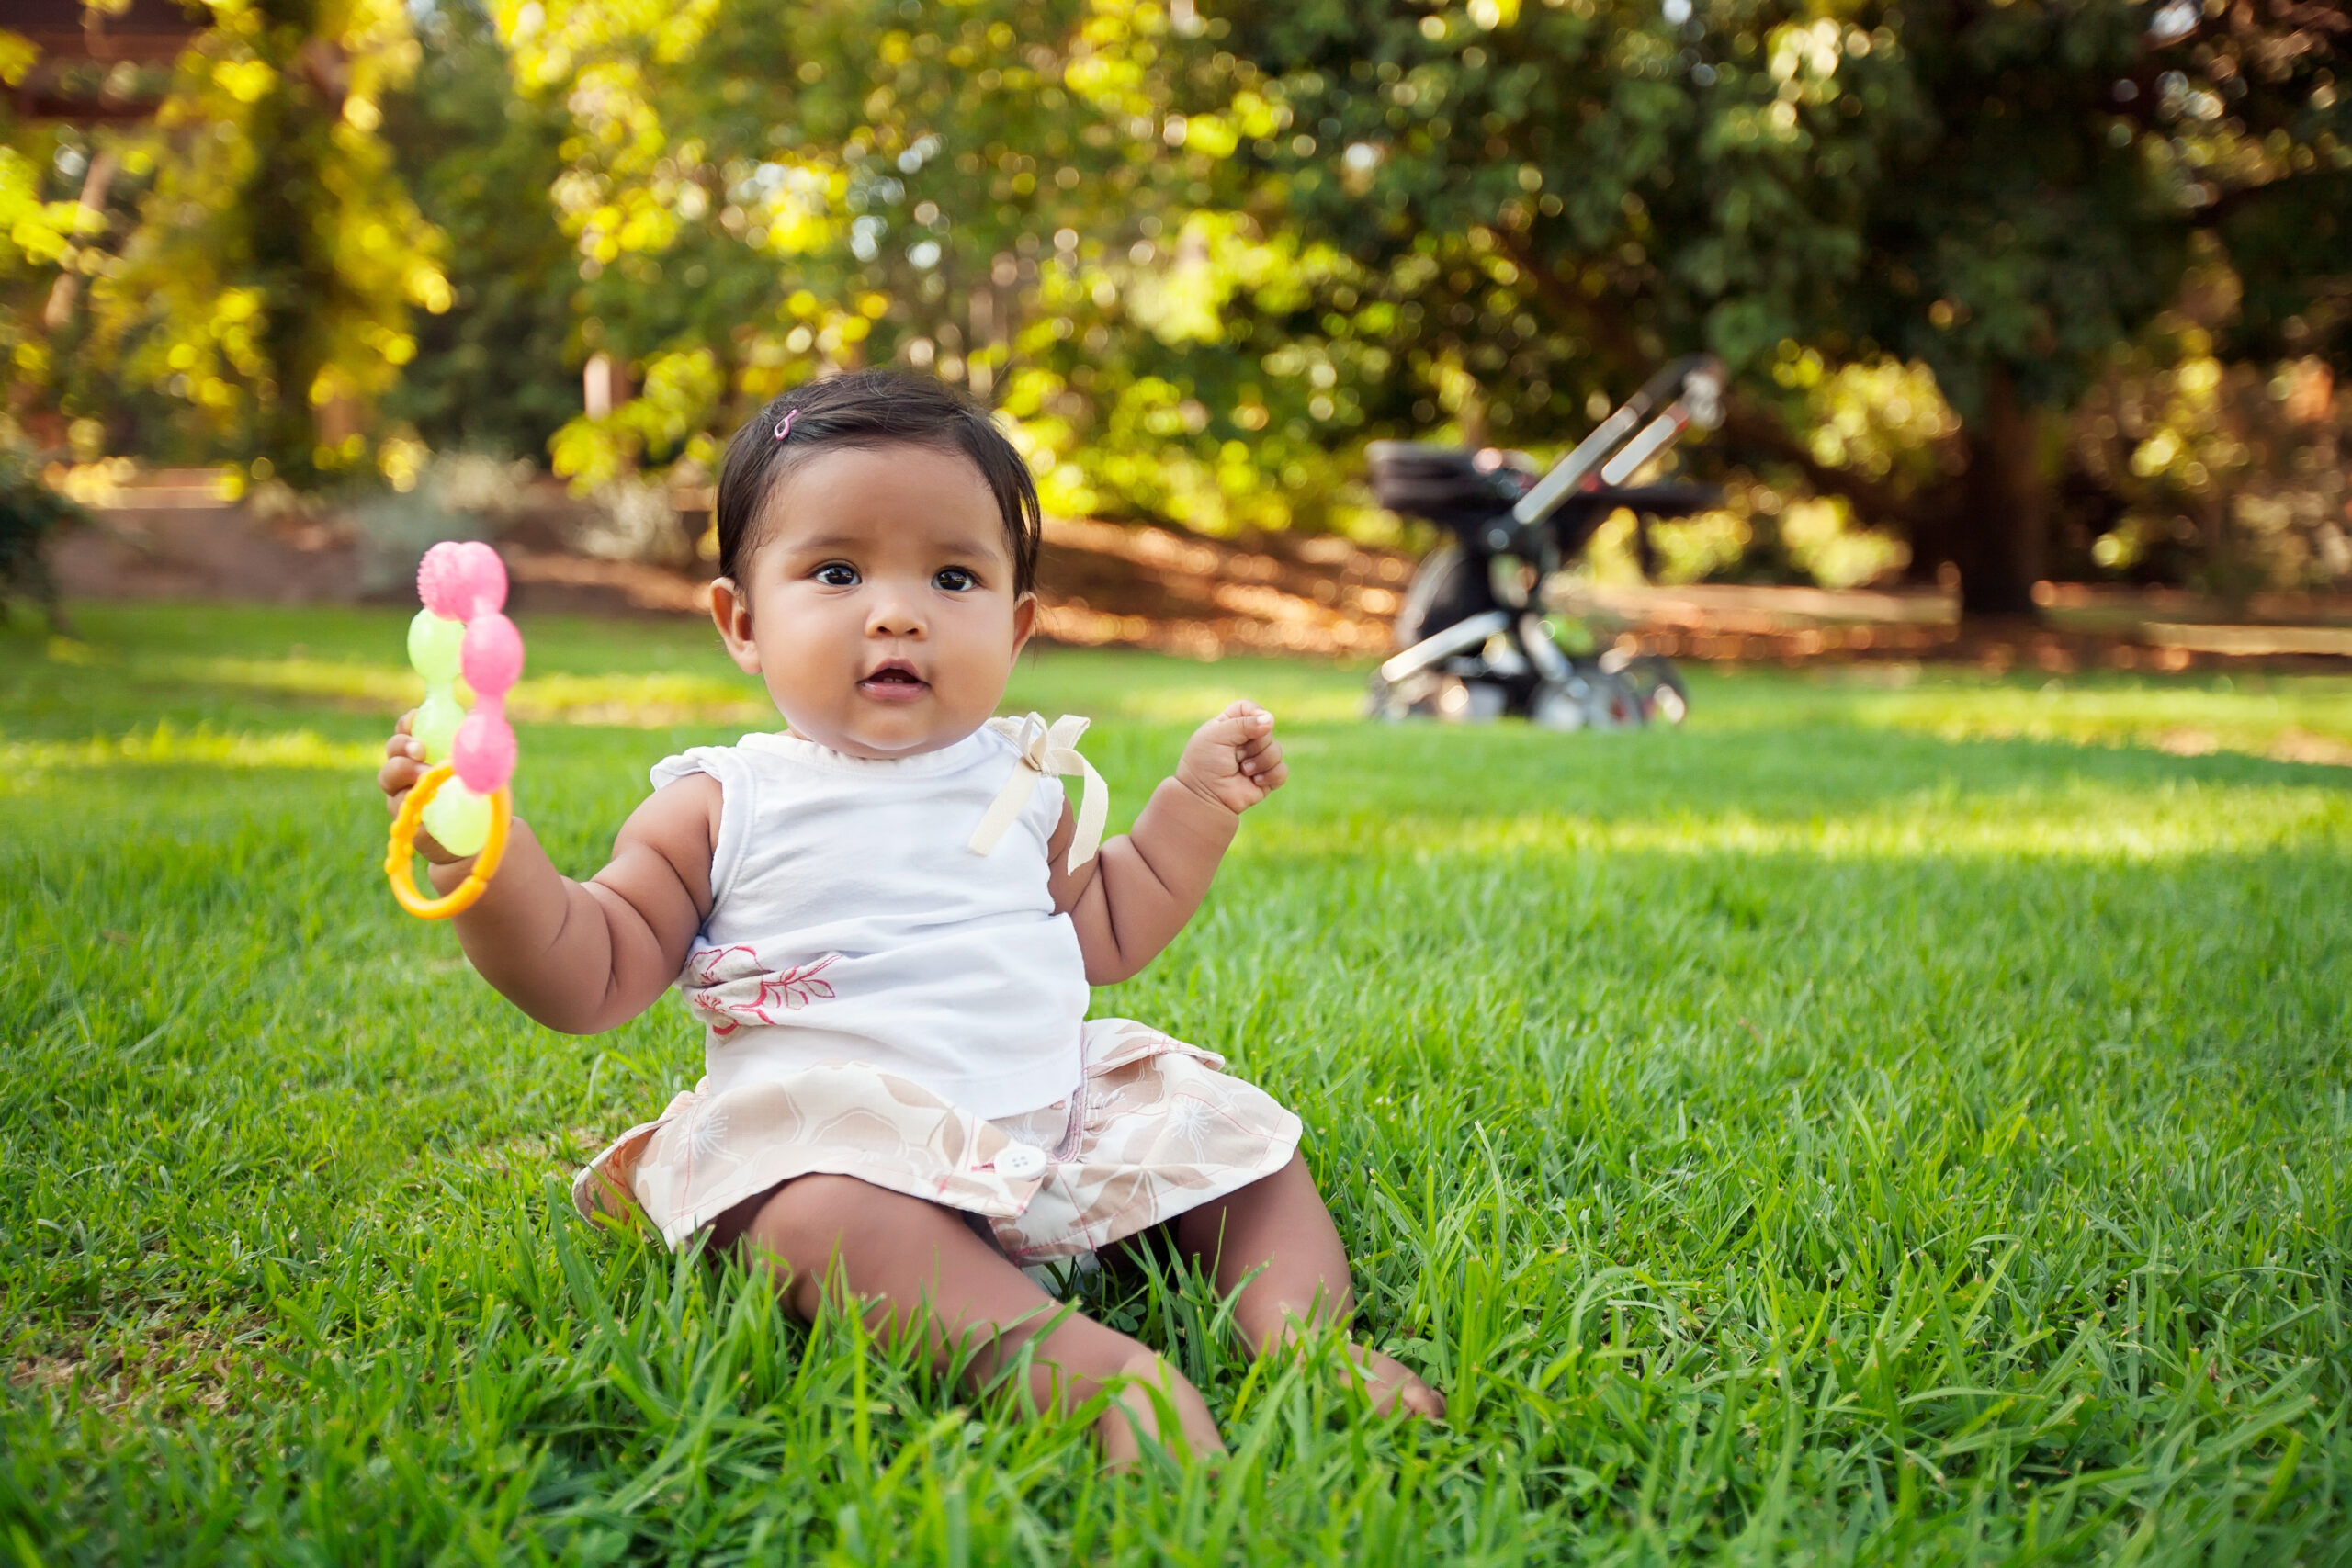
(402, 875)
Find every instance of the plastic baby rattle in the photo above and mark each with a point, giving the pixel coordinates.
(462, 800)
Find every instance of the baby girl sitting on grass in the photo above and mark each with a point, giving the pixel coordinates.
(888, 916)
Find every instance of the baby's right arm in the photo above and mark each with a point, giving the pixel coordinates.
(582, 957)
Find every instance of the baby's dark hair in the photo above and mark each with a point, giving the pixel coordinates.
(871, 408)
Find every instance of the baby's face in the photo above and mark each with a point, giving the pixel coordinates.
(879, 603)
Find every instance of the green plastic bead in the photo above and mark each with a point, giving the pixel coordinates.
(458, 819)
(437, 723)
(434, 642)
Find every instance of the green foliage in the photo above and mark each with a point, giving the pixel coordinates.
(268, 286)
(1866, 1126)
(2215, 473)
(1954, 184)
(1999, 193)
(496, 371)
(39, 234)
(1199, 255)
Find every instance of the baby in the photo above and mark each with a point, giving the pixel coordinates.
(888, 916)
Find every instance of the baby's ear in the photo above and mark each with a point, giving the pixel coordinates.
(1025, 621)
(730, 611)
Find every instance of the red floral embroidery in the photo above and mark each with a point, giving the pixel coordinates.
(706, 963)
(795, 988)
(798, 988)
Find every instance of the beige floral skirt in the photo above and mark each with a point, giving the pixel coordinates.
(1154, 1128)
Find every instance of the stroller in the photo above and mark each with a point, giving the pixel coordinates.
(1475, 641)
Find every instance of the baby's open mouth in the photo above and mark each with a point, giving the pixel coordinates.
(894, 682)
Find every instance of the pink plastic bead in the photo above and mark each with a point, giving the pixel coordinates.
(481, 578)
(440, 581)
(492, 656)
(483, 752)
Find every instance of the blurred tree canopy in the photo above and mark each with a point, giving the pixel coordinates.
(2006, 194)
(1198, 255)
(491, 373)
(267, 285)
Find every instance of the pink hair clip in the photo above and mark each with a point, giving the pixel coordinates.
(783, 425)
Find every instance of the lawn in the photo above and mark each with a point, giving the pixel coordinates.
(1879, 1124)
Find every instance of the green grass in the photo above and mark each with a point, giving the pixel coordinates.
(1875, 1125)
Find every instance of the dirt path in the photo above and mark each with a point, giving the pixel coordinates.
(1113, 584)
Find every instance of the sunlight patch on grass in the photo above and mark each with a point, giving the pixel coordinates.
(2076, 825)
(2311, 724)
(639, 702)
(163, 746)
(381, 686)
(1167, 690)
(1194, 704)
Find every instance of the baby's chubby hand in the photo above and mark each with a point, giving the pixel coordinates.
(1234, 759)
(403, 765)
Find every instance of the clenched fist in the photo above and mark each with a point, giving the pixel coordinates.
(1234, 759)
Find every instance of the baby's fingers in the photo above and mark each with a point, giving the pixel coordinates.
(1258, 746)
(1261, 755)
(397, 777)
(1241, 727)
(403, 743)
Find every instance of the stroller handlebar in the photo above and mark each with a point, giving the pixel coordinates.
(1692, 388)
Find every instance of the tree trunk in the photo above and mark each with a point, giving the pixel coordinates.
(1999, 540)
(90, 220)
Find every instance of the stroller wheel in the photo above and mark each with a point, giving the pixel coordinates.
(1468, 702)
(1557, 708)
(1655, 681)
(1431, 696)
(1611, 704)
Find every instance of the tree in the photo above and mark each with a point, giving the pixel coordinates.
(2004, 192)
(498, 370)
(992, 192)
(268, 288)
(757, 191)
(2073, 158)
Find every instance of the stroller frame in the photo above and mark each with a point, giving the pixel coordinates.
(1477, 642)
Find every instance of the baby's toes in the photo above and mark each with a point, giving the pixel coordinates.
(1388, 1383)
(1420, 1399)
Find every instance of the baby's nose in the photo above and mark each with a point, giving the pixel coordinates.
(894, 617)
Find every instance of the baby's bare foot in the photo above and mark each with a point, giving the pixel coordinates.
(1151, 1391)
(1388, 1383)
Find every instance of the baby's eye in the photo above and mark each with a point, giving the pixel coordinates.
(836, 574)
(955, 580)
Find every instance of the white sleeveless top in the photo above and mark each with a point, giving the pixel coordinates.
(850, 921)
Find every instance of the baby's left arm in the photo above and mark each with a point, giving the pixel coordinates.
(1131, 898)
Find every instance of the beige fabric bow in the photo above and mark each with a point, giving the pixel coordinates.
(1044, 750)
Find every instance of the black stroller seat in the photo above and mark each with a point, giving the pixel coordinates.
(1445, 485)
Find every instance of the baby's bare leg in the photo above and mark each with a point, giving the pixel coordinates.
(915, 1259)
(1279, 1226)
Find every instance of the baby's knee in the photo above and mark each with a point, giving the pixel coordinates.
(802, 1224)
